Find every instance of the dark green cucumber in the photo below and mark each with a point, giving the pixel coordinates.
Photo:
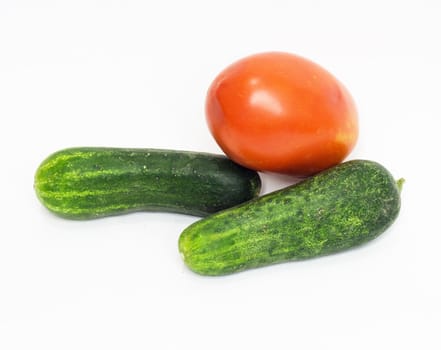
(335, 210)
(84, 183)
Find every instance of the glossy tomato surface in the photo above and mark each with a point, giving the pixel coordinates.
(279, 112)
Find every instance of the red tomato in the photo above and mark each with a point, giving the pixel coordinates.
(279, 112)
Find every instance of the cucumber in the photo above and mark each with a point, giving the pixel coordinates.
(335, 210)
(85, 182)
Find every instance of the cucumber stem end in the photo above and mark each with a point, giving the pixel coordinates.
(400, 183)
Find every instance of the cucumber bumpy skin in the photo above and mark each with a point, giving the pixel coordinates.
(335, 210)
(89, 182)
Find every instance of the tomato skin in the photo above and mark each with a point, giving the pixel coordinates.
(279, 112)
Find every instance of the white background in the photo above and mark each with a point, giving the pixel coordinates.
(134, 74)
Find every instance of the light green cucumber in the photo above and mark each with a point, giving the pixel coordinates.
(335, 210)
